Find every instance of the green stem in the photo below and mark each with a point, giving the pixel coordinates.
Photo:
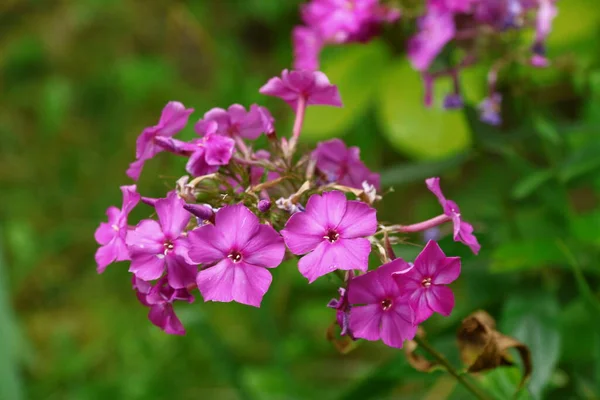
(470, 386)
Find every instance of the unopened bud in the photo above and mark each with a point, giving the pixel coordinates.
(264, 205)
(202, 211)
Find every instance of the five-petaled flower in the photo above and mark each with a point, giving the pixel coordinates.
(425, 282)
(158, 246)
(236, 252)
(463, 231)
(236, 121)
(333, 232)
(111, 235)
(380, 310)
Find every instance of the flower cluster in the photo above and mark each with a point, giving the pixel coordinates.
(450, 35)
(241, 211)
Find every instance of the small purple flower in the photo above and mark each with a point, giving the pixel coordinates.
(312, 86)
(463, 231)
(236, 121)
(385, 312)
(490, 108)
(158, 246)
(236, 252)
(160, 299)
(307, 47)
(453, 101)
(436, 29)
(111, 235)
(173, 119)
(425, 282)
(211, 152)
(332, 231)
(343, 165)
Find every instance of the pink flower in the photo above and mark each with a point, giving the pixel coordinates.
(173, 119)
(235, 251)
(490, 109)
(332, 231)
(312, 86)
(307, 46)
(343, 165)
(236, 121)
(425, 282)
(158, 246)
(160, 299)
(111, 235)
(436, 29)
(463, 231)
(457, 6)
(385, 312)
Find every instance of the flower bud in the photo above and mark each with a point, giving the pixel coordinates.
(202, 211)
(264, 205)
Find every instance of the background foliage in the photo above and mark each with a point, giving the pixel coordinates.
(80, 79)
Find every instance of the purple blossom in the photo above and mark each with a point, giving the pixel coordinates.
(343, 165)
(436, 29)
(236, 121)
(236, 252)
(173, 119)
(490, 108)
(343, 310)
(425, 282)
(463, 231)
(379, 308)
(453, 101)
(312, 86)
(111, 235)
(160, 299)
(457, 6)
(332, 231)
(211, 152)
(158, 246)
(307, 46)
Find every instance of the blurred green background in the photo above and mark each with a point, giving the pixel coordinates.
(80, 79)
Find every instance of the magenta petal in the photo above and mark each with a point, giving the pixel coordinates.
(365, 321)
(147, 267)
(328, 208)
(430, 259)
(163, 316)
(433, 184)
(344, 254)
(440, 299)
(105, 233)
(420, 306)
(130, 199)
(219, 149)
(172, 216)
(397, 326)
(197, 165)
(303, 233)
(466, 236)
(359, 220)
(239, 282)
(146, 238)
(174, 117)
(447, 272)
(104, 256)
(265, 248)
(237, 225)
(207, 244)
(135, 169)
(376, 285)
(180, 273)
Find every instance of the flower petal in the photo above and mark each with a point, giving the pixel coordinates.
(164, 317)
(180, 273)
(360, 220)
(265, 248)
(302, 233)
(365, 321)
(447, 272)
(440, 299)
(420, 306)
(146, 238)
(430, 259)
(172, 216)
(237, 225)
(105, 255)
(104, 233)
(207, 244)
(147, 266)
(397, 326)
(328, 209)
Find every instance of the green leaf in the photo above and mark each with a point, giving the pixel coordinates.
(586, 227)
(526, 255)
(530, 183)
(412, 172)
(534, 320)
(581, 162)
(410, 127)
(503, 383)
(355, 72)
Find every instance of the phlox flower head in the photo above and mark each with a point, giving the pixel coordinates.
(379, 308)
(312, 86)
(159, 246)
(333, 232)
(236, 121)
(342, 164)
(160, 298)
(111, 235)
(425, 283)
(463, 231)
(235, 252)
(173, 119)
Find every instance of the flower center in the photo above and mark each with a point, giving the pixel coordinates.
(235, 256)
(115, 227)
(386, 304)
(426, 282)
(168, 246)
(332, 236)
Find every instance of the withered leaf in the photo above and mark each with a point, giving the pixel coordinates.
(483, 348)
(343, 344)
